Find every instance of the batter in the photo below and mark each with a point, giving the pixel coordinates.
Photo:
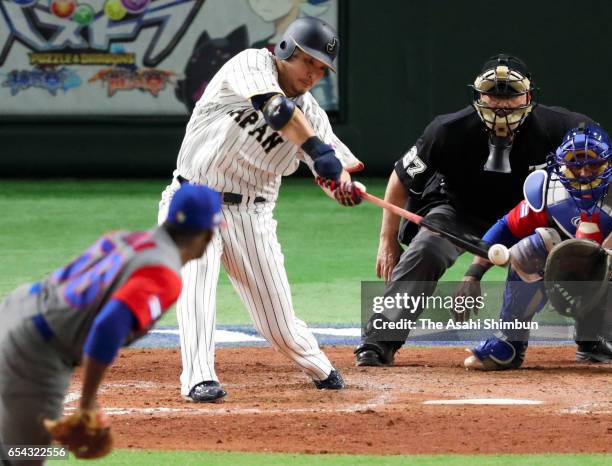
(254, 124)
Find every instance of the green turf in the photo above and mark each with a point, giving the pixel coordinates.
(147, 457)
(328, 249)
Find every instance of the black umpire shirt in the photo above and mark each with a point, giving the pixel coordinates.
(445, 166)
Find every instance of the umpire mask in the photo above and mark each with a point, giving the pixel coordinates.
(502, 97)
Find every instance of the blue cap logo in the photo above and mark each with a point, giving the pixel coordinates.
(196, 207)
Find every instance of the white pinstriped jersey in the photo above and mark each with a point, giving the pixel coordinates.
(229, 146)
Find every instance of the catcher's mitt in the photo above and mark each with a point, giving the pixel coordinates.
(87, 434)
(576, 277)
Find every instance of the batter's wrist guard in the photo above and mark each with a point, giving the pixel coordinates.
(316, 148)
(476, 270)
(326, 164)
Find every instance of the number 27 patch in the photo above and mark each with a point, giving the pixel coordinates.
(412, 163)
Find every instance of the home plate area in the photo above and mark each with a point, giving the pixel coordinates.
(426, 403)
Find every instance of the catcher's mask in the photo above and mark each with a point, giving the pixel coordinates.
(583, 163)
(576, 277)
(502, 77)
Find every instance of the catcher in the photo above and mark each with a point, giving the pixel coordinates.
(82, 314)
(567, 201)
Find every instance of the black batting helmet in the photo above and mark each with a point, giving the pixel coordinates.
(312, 36)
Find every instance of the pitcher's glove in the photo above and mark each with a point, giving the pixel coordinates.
(347, 193)
(87, 434)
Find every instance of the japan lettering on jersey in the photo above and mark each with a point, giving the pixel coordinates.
(229, 146)
(141, 269)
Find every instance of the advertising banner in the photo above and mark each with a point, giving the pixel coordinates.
(134, 57)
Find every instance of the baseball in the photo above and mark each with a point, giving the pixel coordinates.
(360, 186)
(499, 254)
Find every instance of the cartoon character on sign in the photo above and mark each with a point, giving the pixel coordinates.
(282, 13)
(207, 57)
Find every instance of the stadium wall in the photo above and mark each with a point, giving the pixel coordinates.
(402, 62)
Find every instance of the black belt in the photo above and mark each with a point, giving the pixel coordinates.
(229, 198)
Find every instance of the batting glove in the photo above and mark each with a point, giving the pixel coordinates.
(347, 194)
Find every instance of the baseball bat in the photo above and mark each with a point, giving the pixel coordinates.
(463, 240)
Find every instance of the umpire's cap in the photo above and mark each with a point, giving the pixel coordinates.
(312, 36)
(195, 207)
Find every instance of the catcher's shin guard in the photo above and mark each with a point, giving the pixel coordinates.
(495, 354)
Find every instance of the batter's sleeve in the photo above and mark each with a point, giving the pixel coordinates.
(149, 292)
(253, 72)
(420, 162)
(318, 119)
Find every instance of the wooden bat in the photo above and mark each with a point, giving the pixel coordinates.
(440, 226)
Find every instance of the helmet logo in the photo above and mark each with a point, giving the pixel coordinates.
(331, 45)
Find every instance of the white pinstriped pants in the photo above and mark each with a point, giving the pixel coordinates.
(251, 255)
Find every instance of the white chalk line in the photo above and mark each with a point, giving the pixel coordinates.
(483, 401)
(590, 407)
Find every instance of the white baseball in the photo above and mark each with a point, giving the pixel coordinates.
(360, 186)
(499, 254)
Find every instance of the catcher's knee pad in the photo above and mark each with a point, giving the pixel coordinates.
(497, 354)
(528, 256)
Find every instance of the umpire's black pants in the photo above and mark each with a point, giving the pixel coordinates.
(420, 267)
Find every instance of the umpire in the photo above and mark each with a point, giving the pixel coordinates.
(467, 169)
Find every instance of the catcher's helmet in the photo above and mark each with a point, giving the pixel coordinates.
(312, 36)
(503, 76)
(583, 163)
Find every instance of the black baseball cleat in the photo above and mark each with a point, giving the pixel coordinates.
(595, 351)
(375, 354)
(209, 391)
(334, 381)
(368, 358)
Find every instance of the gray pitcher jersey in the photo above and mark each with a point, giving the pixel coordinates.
(229, 146)
(71, 297)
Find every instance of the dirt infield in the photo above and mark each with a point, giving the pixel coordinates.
(273, 407)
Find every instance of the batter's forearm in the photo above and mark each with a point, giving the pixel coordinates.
(298, 130)
(395, 194)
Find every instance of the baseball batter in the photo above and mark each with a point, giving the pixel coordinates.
(82, 314)
(255, 122)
